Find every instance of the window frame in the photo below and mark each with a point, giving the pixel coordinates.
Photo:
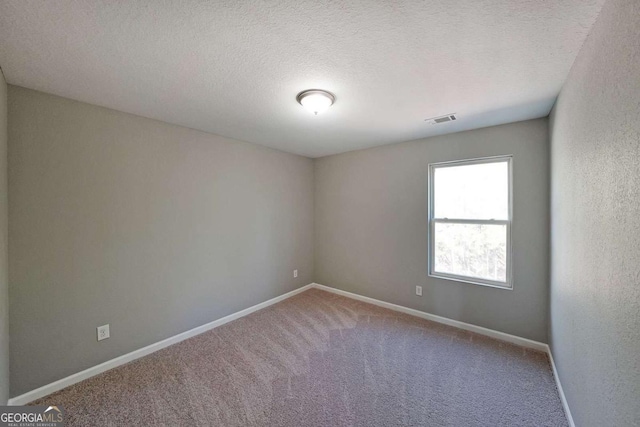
(508, 223)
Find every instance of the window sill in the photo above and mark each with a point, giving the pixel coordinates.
(508, 287)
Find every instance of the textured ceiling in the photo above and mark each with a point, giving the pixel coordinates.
(234, 68)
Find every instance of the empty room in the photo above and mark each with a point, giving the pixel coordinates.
(320, 213)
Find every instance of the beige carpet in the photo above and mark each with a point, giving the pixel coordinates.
(319, 359)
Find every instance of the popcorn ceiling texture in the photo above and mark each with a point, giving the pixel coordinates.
(234, 68)
(319, 359)
(595, 286)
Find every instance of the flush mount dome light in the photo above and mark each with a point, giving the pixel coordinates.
(316, 100)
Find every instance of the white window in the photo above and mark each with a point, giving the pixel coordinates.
(470, 214)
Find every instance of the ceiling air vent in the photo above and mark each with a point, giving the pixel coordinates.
(441, 119)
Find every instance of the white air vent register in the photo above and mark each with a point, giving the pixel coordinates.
(441, 119)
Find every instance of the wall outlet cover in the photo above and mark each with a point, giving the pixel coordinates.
(419, 291)
(295, 273)
(103, 332)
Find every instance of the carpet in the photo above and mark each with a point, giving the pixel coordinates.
(320, 359)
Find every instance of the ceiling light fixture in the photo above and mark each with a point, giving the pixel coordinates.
(316, 100)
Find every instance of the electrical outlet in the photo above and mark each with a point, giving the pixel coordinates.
(103, 332)
(419, 291)
(295, 273)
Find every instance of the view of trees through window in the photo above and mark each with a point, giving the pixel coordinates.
(473, 250)
(471, 219)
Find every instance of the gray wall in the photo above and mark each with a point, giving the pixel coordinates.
(595, 279)
(152, 228)
(4, 273)
(371, 227)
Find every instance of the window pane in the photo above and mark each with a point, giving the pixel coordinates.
(473, 250)
(472, 191)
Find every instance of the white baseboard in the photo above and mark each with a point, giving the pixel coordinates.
(126, 358)
(45, 390)
(524, 342)
(563, 398)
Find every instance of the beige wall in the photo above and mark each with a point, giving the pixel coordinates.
(4, 274)
(595, 280)
(152, 228)
(371, 227)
